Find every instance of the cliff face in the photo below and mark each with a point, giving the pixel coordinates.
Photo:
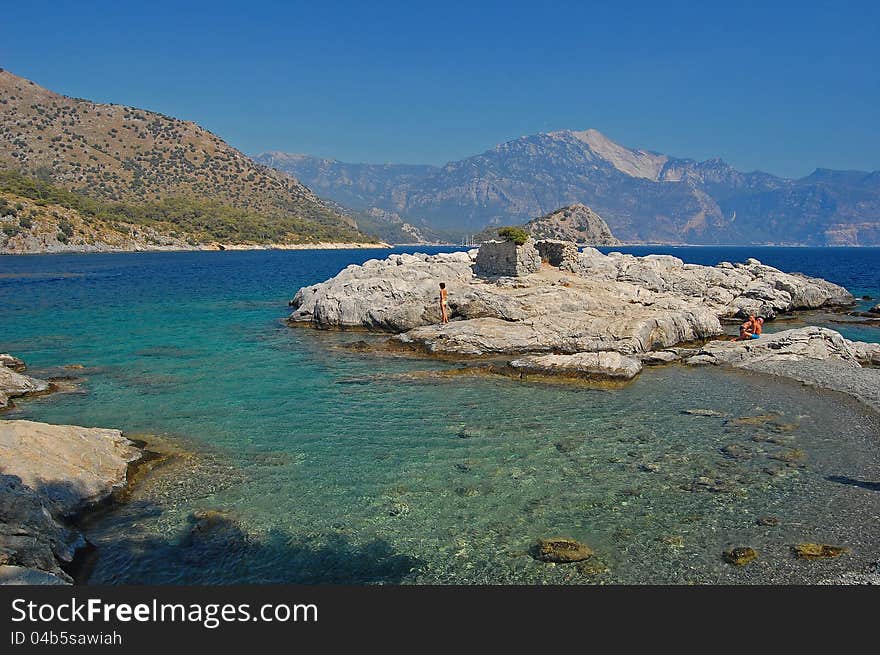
(644, 196)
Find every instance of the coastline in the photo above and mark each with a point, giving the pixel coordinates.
(218, 247)
(137, 475)
(213, 247)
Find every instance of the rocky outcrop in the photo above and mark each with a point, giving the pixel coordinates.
(71, 467)
(600, 302)
(12, 362)
(593, 316)
(32, 541)
(20, 575)
(51, 474)
(730, 289)
(815, 356)
(394, 294)
(814, 343)
(507, 259)
(868, 354)
(14, 384)
(576, 223)
(599, 365)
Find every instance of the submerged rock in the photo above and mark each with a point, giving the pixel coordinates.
(789, 456)
(212, 534)
(591, 567)
(561, 550)
(569, 444)
(768, 521)
(817, 551)
(469, 433)
(711, 484)
(736, 451)
(753, 421)
(704, 412)
(740, 556)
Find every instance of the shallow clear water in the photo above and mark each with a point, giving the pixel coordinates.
(337, 466)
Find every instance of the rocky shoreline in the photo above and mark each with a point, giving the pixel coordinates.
(559, 311)
(563, 313)
(51, 476)
(59, 248)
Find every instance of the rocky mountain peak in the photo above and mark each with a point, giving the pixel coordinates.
(635, 163)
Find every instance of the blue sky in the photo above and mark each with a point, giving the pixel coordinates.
(779, 86)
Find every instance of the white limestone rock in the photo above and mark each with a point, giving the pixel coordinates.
(593, 366)
(69, 466)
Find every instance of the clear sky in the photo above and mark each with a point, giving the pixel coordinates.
(775, 85)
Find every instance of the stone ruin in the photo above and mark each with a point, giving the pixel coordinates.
(562, 254)
(506, 259)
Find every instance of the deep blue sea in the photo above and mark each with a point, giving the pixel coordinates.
(328, 465)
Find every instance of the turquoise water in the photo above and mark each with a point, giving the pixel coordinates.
(331, 465)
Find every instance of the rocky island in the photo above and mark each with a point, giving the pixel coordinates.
(548, 308)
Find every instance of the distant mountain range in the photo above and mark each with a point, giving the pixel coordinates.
(128, 166)
(646, 197)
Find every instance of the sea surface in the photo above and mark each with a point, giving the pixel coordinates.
(300, 460)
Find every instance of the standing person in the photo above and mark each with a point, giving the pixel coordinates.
(443, 311)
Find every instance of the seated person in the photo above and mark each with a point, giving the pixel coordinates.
(759, 327)
(751, 329)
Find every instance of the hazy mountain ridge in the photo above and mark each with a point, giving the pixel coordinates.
(644, 196)
(117, 153)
